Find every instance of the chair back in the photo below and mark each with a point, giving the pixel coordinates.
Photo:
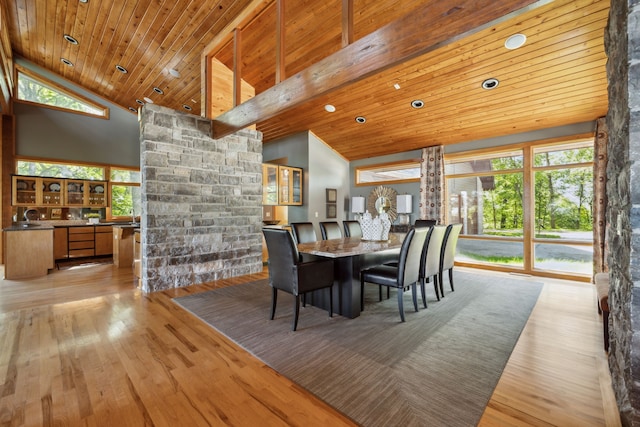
(352, 229)
(304, 232)
(432, 251)
(410, 256)
(449, 246)
(283, 257)
(330, 230)
(424, 223)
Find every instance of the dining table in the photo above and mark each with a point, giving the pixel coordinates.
(350, 254)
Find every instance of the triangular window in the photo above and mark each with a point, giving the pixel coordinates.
(38, 90)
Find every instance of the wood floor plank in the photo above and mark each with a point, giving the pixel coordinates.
(86, 347)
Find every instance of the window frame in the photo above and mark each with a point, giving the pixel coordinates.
(410, 163)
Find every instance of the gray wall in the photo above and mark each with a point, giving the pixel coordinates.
(58, 135)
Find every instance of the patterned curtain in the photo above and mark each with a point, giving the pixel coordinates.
(432, 188)
(600, 197)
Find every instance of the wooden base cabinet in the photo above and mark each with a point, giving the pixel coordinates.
(60, 243)
(104, 240)
(28, 253)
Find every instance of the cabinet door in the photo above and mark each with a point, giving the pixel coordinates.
(97, 196)
(25, 191)
(296, 186)
(284, 185)
(104, 240)
(269, 184)
(74, 194)
(52, 191)
(60, 246)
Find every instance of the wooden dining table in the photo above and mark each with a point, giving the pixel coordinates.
(350, 254)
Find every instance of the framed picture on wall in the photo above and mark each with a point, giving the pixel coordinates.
(332, 211)
(332, 195)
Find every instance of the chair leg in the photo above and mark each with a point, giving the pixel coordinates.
(274, 299)
(435, 286)
(441, 280)
(401, 303)
(379, 293)
(451, 278)
(414, 295)
(423, 292)
(304, 300)
(361, 294)
(330, 301)
(296, 312)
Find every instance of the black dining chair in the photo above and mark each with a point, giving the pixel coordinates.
(289, 274)
(447, 257)
(330, 230)
(303, 232)
(430, 262)
(352, 229)
(404, 276)
(425, 222)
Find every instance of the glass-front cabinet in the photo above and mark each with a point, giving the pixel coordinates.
(33, 191)
(96, 194)
(86, 193)
(269, 184)
(290, 185)
(74, 195)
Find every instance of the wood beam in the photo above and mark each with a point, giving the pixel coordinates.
(417, 33)
(281, 73)
(237, 67)
(347, 22)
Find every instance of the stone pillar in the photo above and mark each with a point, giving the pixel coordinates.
(622, 41)
(201, 201)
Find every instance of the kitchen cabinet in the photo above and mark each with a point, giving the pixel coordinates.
(103, 240)
(123, 245)
(60, 243)
(289, 185)
(33, 191)
(81, 241)
(86, 193)
(269, 184)
(28, 252)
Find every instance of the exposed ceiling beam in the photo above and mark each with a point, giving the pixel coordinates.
(417, 33)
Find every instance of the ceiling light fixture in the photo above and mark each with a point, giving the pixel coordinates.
(187, 107)
(140, 102)
(490, 84)
(417, 103)
(329, 108)
(133, 109)
(174, 72)
(148, 100)
(70, 39)
(396, 86)
(515, 41)
(360, 119)
(121, 69)
(66, 62)
(158, 90)
(84, 1)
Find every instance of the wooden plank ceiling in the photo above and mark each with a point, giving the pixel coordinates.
(558, 77)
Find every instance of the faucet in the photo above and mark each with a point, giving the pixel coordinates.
(133, 217)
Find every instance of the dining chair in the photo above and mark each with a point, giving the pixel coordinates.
(425, 222)
(447, 257)
(430, 261)
(330, 230)
(303, 232)
(352, 229)
(288, 273)
(405, 275)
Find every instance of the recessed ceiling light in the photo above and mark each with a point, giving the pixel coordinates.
(133, 109)
(174, 72)
(360, 119)
(187, 107)
(84, 1)
(417, 103)
(490, 84)
(121, 69)
(515, 41)
(158, 90)
(329, 108)
(396, 86)
(148, 100)
(140, 102)
(70, 39)
(67, 62)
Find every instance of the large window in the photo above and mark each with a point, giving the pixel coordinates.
(387, 173)
(125, 193)
(59, 170)
(527, 209)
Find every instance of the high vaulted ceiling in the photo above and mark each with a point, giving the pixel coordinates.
(558, 77)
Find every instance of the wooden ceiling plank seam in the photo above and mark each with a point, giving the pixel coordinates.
(347, 22)
(52, 48)
(281, 46)
(403, 40)
(67, 50)
(14, 27)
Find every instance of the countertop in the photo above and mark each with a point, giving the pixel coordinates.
(46, 225)
(28, 227)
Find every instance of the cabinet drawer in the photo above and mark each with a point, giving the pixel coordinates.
(81, 245)
(81, 230)
(104, 229)
(80, 237)
(80, 252)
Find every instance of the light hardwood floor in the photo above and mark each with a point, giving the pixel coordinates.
(85, 347)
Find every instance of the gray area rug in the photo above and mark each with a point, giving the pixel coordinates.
(439, 368)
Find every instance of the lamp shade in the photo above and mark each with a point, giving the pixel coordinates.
(357, 204)
(404, 203)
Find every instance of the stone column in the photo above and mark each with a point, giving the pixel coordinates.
(201, 201)
(622, 41)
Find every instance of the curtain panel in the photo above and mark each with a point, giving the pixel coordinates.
(432, 185)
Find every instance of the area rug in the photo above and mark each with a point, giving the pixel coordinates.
(439, 368)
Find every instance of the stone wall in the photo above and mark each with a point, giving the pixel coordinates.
(622, 40)
(201, 201)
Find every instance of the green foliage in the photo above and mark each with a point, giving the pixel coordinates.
(35, 91)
